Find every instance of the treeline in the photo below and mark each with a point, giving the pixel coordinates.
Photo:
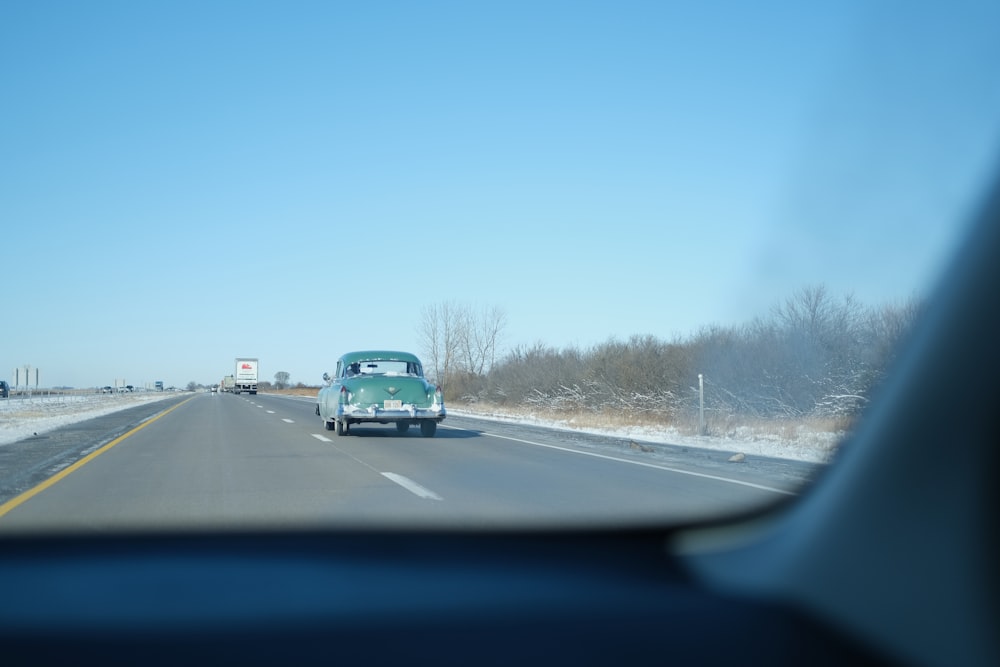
(813, 355)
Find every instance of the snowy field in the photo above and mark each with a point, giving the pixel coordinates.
(23, 417)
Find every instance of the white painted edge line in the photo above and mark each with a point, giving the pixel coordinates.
(717, 478)
(321, 438)
(288, 421)
(412, 486)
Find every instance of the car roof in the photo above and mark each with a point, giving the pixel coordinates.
(379, 355)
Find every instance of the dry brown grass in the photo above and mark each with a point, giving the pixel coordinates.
(311, 392)
(785, 429)
(745, 428)
(576, 419)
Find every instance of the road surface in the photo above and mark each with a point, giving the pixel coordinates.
(222, 460)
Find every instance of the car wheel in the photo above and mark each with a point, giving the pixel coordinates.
(428, 428)
(402, 427)
(341, 427)
(317, 409)
(328, 425)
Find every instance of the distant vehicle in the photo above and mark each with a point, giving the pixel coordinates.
(246, 376)
(228, 383)
(380, 387)
(4, 389)
(107, 389)
(159, 385)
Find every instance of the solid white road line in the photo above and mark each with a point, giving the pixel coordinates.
(643, 464)
(412, 486)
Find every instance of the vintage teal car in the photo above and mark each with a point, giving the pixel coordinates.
(383, 387)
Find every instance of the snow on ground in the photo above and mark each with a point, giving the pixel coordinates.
(22, 417)
(803, 446)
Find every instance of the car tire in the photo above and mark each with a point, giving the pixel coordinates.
(428, 428)
(328, 425)
(341, 427)
(317, 410)
(402, 427)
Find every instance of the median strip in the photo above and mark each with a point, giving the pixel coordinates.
(31, 493)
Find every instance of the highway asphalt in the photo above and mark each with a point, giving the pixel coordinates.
(221, 461)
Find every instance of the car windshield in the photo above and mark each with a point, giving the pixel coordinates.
(660, 255)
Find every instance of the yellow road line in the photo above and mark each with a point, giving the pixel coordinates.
(32, 492)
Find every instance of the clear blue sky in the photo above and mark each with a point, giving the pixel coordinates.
(182, 183)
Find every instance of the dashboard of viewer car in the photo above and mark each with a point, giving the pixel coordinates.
(602, 597)
(889, 558)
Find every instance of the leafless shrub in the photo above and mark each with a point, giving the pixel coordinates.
(812, 357)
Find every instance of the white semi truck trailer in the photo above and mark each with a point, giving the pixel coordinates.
(245, 376)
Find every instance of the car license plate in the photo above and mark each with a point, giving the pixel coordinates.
(392, 405)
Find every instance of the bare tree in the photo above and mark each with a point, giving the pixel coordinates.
(457, 339)
(281, 380)
(478, 337)
(438, 328)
